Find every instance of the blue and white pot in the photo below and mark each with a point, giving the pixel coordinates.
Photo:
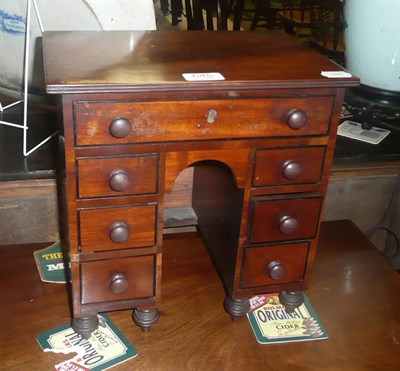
(59, 15)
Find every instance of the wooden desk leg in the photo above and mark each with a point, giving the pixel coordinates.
(85, 326)
(145, 318)
(237, 308)
(291, 299)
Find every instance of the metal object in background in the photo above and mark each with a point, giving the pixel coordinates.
(24, 126)
(21, 66)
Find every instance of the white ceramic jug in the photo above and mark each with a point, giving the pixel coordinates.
(372, 42)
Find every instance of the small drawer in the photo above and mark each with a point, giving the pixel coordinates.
(117, 227)
(288, 166)
(117, 176)
(142, 122)
(273, 265)
(284, 219)
(117, 279)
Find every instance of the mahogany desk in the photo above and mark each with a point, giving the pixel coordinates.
(354, 291)
(256, 119)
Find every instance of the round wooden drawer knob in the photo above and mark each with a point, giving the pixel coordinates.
(288, 225)
(119, 232)
(276, 270)
(291, 169)
(296, 119)
(120, 127)
(118, 284)
(119, 180)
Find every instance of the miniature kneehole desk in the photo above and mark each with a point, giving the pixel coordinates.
(254, 117)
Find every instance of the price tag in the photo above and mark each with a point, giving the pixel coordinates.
(335, 74)
(205, 76)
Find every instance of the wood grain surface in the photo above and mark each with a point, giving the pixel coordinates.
(354, 291)
(129, 60)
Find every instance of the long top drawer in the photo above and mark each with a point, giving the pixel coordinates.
(142, 122)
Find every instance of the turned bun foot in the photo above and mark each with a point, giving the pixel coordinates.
(85, 326)
(145, 318)
(237, 308)
(291, 299)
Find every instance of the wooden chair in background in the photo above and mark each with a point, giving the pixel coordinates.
(197, 10)
(327, 28)
(266, 11)
(295, 17)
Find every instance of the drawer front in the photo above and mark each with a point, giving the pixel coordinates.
(117, 279)
(117, 228)
(287, 219)
(288, 166)
(117, 176)
(134, 122)
(273, 265)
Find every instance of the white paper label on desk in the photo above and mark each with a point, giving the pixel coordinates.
(335, 74)
(205, 76)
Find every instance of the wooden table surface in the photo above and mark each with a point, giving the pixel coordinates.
(353, 290)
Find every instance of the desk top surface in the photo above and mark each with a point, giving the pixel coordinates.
(354, 291)
(120, 61)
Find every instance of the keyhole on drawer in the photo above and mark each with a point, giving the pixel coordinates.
(212, 116)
